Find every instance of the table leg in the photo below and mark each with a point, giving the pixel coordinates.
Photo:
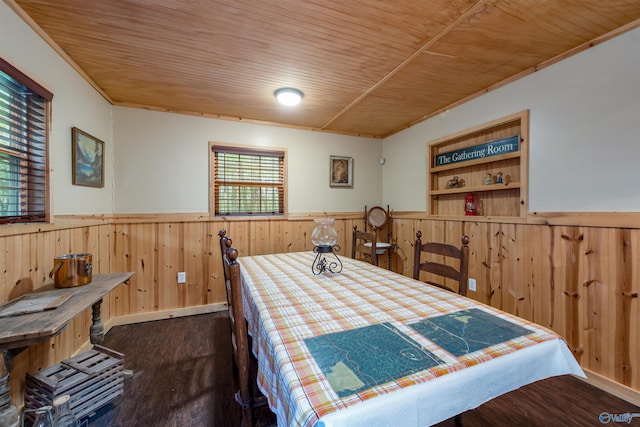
(96, 331)
(8, 412)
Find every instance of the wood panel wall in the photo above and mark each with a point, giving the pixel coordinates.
(580, 281)
(25, 262)
(156, 250)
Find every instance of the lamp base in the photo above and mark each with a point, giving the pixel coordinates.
(321, 264)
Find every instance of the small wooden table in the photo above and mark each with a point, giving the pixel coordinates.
(18, 332)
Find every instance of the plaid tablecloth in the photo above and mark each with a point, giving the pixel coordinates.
(285, 304)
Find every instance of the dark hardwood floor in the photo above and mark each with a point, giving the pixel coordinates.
(183, 376)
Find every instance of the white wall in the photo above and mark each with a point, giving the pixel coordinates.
(161, 160)
(584, 134)
(584, 140)
(162, 163)
(75, 103)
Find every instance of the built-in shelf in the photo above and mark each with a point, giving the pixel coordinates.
(470, 156)
(469, 163)
(477, 189)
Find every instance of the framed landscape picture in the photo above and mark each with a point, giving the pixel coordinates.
(341, 171)
(87, 159)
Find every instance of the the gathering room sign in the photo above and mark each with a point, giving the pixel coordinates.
(493, 148)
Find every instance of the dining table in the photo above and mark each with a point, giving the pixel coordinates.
(371, 347)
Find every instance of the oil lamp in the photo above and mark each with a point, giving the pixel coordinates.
(324, 238)
(470, 205)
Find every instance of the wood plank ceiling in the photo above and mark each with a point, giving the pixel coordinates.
(366, 67)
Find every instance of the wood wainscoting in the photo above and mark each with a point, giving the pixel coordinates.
(575, 277)
(155, 248)
(580, 281)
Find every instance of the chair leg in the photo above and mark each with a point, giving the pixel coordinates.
(247, 411)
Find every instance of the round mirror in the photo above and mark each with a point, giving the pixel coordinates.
(377, 217)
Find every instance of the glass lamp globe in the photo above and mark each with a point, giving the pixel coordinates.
(323, 233)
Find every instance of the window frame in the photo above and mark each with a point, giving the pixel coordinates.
(23, 156)
(215, 147)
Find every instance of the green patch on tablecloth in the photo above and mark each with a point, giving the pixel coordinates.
(362, 358)
(466, 331)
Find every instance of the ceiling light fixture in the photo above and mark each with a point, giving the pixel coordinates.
(288, 96)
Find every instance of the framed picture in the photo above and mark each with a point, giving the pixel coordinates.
(87, 159)
(341, 172)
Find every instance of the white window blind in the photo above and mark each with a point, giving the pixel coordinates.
(248, 182)
(23, 147)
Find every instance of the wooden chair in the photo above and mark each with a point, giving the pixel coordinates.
(225, 244)
(239, 337)
(436, 263)
(249, 395)
(365, 244)
(223, 249)
(444, 271)
(377, 218)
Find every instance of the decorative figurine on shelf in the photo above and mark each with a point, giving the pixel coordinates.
(488, 180)
(470, 205)
(453, 182)
(499, 178)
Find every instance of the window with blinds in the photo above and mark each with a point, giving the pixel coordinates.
(23, 147)
(248, 181)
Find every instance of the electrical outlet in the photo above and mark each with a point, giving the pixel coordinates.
(182, 277)
(472, 285)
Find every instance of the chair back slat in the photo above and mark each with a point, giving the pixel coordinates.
(441, 270)
(359, 246)
(442, 249)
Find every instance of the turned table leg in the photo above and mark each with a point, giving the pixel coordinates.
(8, 412)
(96, 331)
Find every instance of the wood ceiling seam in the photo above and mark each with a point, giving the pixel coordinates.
(592, 43)
(471, 11)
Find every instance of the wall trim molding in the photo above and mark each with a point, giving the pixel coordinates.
(164, 314)
(612, 387)
(575, 219)
(589, 219)
(155, 315)
(85, 220)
